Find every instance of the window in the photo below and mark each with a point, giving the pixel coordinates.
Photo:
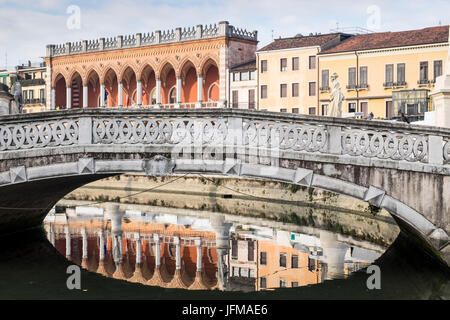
(251, 99)
(263, 66)
(252, 75)
(251, 273)
(25, 95)
(389, 75)
(295, 63)
(263, 282)
(437, 70)
(244, 272)
(401, 74)
(283, 283)
(352, 107)
(236, 76)
(312, 111)
(263, 258)
(312, 62)
(325, 79)
(324, 109)
(235, 99)
(283, 110)
(283, 64)
(351, 78)
(263, 91)
(235, 272)
(251, 251)
(244, 76)
(295, 110)
(234, 249)
(295, 92)
(41, 94)
(312, 89)
(364, 108)
(294, 284)
(423, 71)
(283, 259)
(31, 94)
(363, 77)
(294, 261)
(283, 90)
(311, 264)
(389, 109)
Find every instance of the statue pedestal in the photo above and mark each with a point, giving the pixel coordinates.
(441, 101)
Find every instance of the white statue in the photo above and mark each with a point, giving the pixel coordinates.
(336, 97)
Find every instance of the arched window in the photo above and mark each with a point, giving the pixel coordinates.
(213, 92)
(173, 95)
(152, 98)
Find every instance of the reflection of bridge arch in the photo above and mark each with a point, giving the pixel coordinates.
(396, 167)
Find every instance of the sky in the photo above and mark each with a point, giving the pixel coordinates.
(27, 26)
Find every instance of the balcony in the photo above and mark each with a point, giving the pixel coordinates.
(351, 87)
(32, 82)
(363, 86)
(389, 84)
(423, 82)
(34, 101)
(324, 89)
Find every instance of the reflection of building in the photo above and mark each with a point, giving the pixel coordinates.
(196, 253)
(181, 68)
(387, 72)
(282, 266)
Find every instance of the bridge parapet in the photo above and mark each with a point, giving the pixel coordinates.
(262, 130)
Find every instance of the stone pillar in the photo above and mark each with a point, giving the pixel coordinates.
(102, 95)
(68, 245)
(120, 94)
(178, 89)
(158, 91)
(198, 244)
(441, 96)
(333, 254)
(157, 251)
(68, 98)
(53, 99)
(85, 96)
(199, 91)
(139, 92)
(138, 249)
(177, 242)
(101, 245)
(112, 212)
(52, 235)
(85, 243)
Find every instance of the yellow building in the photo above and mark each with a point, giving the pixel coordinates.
(385, 73)
(32, 78)
(288, 72)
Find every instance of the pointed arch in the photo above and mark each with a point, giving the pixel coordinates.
(207, 62)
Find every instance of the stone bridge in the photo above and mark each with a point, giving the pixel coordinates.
(402, 168)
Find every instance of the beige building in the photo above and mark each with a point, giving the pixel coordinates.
(288, 72)
(386, 72)
(243, 85)
(32, 78)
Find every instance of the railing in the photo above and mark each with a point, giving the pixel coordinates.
(34, 101)
(266, 130)
(222, 29)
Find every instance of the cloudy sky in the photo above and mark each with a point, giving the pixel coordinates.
(28, 25)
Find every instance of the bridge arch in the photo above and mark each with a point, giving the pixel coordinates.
(87, 146)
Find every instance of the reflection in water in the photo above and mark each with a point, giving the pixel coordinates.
(176, 251)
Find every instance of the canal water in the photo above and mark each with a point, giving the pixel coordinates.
(159, 253)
